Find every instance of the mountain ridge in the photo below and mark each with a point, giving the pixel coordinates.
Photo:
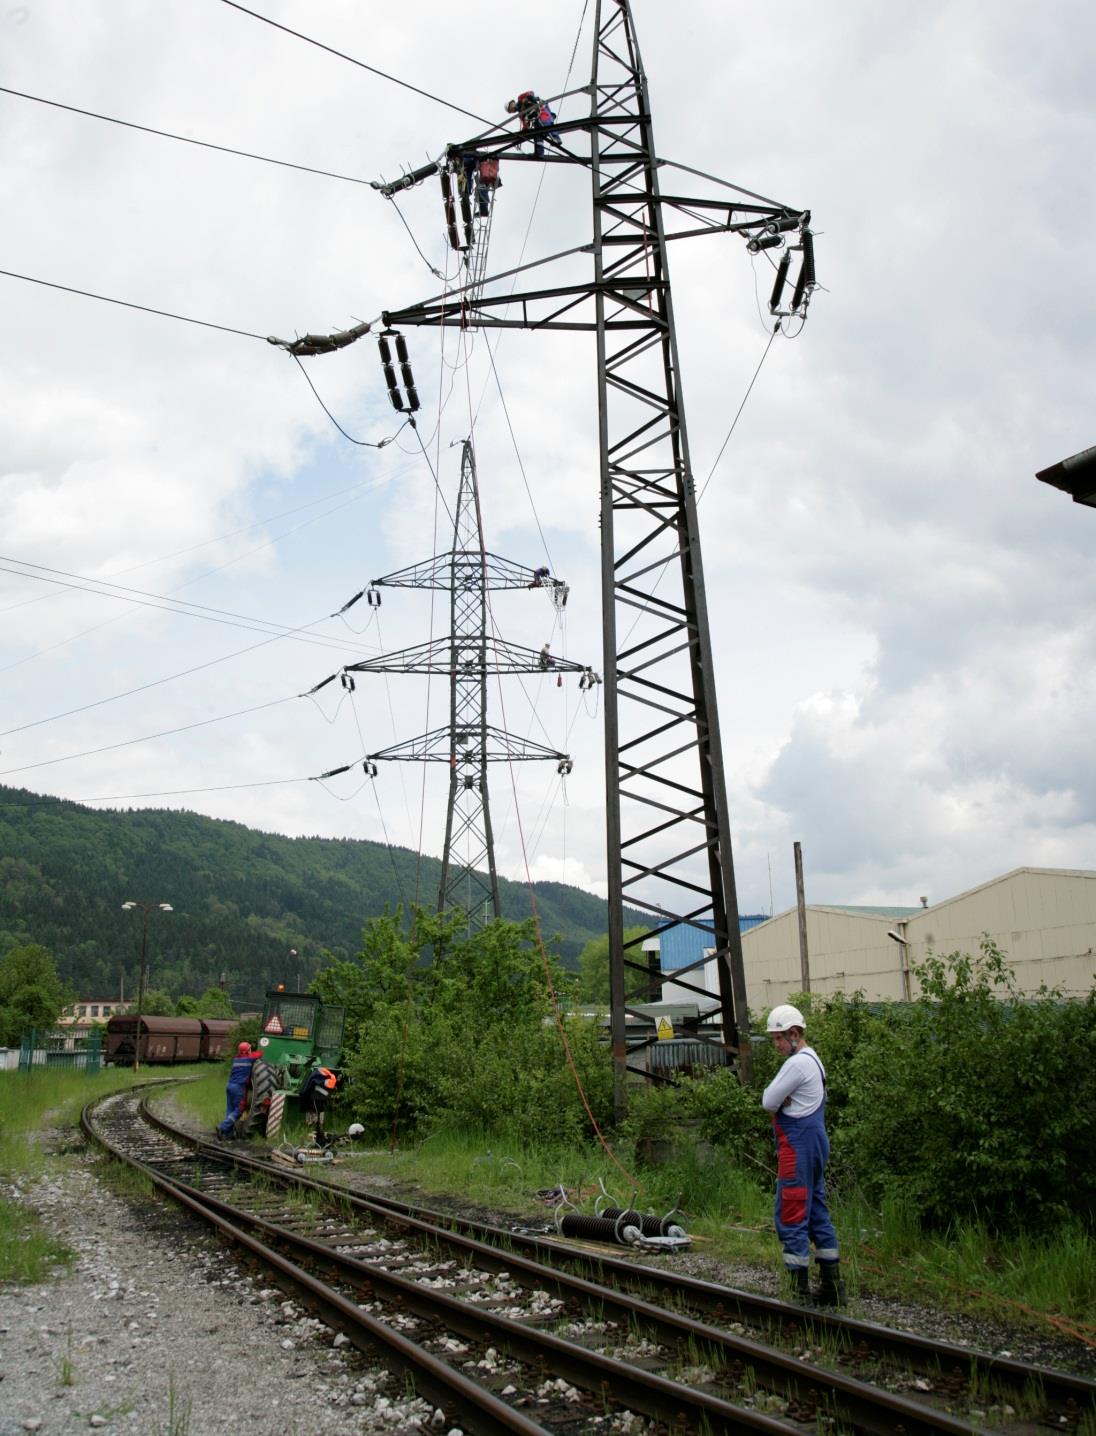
(242, 898)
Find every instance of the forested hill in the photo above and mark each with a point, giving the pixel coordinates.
(242, 898)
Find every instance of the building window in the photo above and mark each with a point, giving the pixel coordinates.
(95, 1010)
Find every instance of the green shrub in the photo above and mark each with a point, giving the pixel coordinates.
(450, 1029)
(975, 1102)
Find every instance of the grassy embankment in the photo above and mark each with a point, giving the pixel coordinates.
(30, 1105)
(1046, 1284)
(1049, 1284)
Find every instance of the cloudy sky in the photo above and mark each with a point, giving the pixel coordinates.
(906, 638)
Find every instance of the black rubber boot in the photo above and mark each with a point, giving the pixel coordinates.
(800, 1279)
(831, 1290)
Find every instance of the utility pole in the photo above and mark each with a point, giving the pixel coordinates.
(801, 909)
(668, 833)
(469, 879)
(147, 909)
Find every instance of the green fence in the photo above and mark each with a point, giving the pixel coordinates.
(59, 1049)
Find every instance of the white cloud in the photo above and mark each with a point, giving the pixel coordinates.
(905, 631)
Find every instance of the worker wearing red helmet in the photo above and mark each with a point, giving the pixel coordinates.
(796, 1097)
(236, 1090)
(535, 117)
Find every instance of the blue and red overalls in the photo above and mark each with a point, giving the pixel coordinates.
(801, 1214)
(537, 118)
(239, 1079)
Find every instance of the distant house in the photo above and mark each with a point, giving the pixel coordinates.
(89, 1010)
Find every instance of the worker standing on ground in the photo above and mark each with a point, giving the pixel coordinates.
(537, 118)
(796, 1097)
(239, 1081)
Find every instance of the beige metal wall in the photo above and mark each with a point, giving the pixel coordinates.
(1043, 919)
(849, 952)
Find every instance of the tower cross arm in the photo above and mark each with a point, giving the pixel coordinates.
(472, 656)
(486, 745)
(493, 571)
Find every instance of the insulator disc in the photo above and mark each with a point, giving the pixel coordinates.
(597, 1229)
(648, 1225)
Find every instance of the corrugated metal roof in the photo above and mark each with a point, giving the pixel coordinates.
(888, 912)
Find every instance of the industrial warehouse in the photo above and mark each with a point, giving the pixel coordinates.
(1043, 919)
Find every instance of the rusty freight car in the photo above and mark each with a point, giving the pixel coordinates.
(166, 1040)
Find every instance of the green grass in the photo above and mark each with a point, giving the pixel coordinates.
(30, 1104)
(204, 1098)
(1047, 1284)
(27, 1253)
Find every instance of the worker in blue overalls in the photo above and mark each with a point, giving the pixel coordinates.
(796, 1097)
(236, 1092)
(537, 119)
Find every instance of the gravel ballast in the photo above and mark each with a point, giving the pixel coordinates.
(156, 1329)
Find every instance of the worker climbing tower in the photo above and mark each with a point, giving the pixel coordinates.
(667, 813)
(467, 655)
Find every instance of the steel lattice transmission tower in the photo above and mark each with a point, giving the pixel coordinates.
(467, 655)
(667, 815)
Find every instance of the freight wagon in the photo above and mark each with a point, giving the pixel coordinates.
(165, 1040)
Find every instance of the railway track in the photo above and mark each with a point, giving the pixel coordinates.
(516, 1333)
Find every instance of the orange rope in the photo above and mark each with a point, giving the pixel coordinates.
(548, 974)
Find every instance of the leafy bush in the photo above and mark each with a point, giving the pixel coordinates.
(446, 1028)
(974, 1102)
(31, 994)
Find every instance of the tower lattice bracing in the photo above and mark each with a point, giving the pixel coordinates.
(667, 814)
(472, 880)
(669, 835)
(467, 655)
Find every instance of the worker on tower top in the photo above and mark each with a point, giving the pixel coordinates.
(537, 118)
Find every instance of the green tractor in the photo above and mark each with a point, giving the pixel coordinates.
(300, 1040)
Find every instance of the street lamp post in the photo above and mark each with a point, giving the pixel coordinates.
(147, 909)
(904, 947)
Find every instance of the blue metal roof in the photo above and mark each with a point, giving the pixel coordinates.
(685, 943)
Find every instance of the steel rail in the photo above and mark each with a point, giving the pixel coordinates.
(602, 1376)
(443, 1384)
(921, 1353)
(1065, 1393)
(869, 1408)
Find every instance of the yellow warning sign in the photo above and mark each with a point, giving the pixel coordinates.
(665, 1029)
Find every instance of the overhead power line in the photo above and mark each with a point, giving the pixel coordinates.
(127, 304)
(183, 139)
(148, 737)
(104, 589)
(255, 15)
(163, 793)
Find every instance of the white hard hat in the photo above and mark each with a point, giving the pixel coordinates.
(355, 1129)
(785, 1016)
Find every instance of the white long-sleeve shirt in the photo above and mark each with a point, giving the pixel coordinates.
(800, 1082)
